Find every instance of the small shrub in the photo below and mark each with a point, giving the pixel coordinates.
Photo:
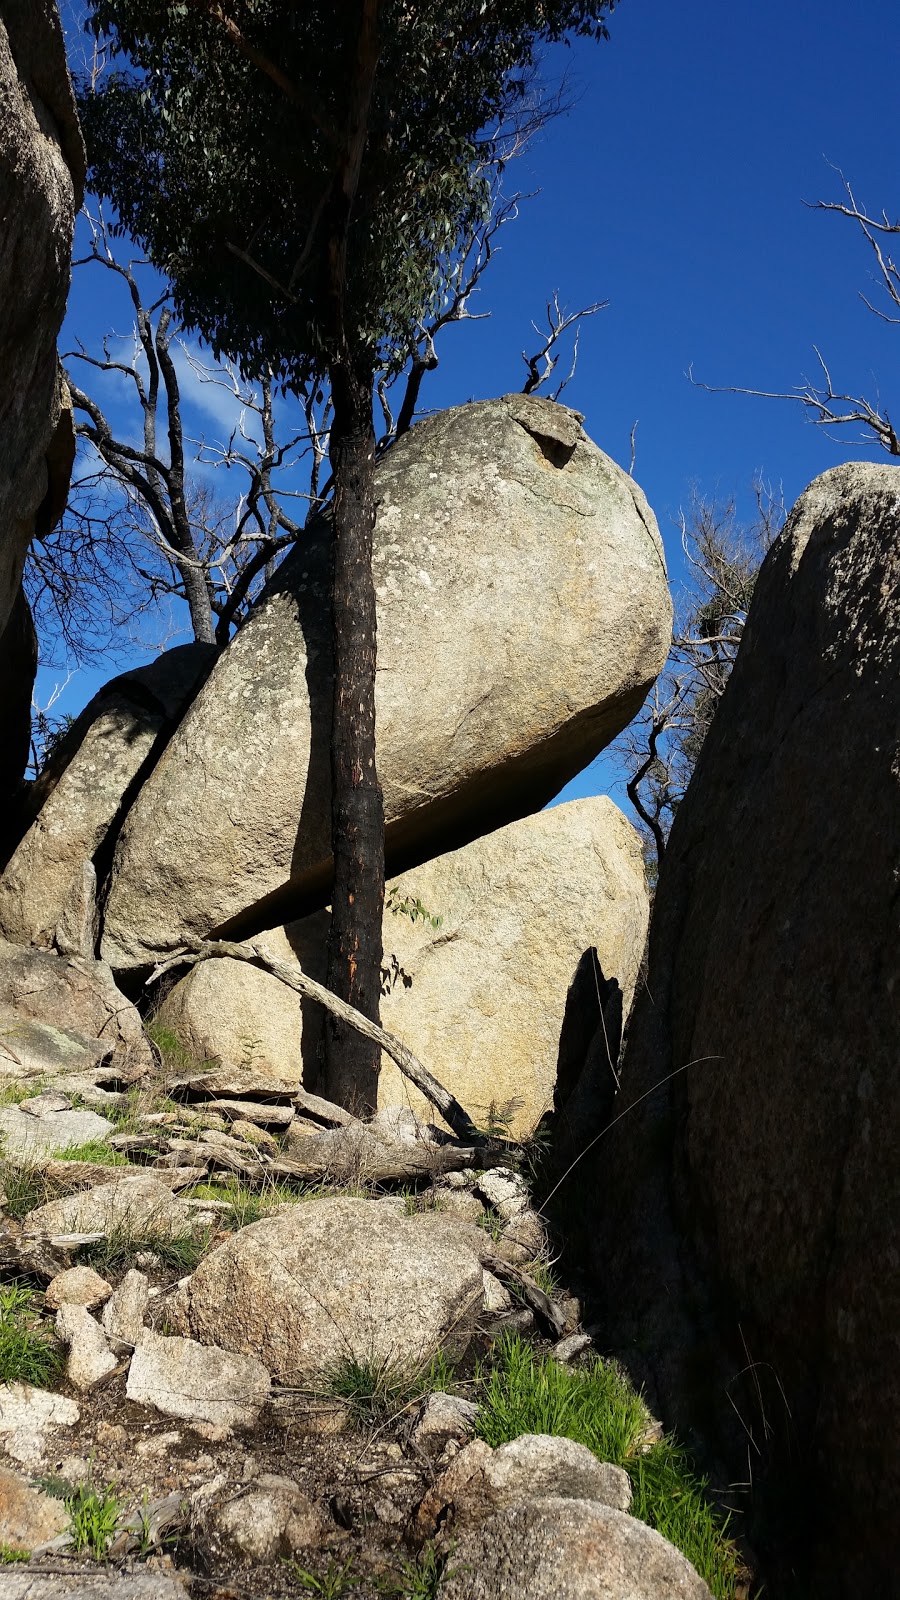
(596, 1405)
(27, 1353)
(93, 1519)
(491, 1224)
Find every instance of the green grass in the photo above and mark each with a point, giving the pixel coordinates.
(181, 1252)
(26, 1187)
(376, 1390)
(174, 1053)
(416, 1579)
(526, 1392)
(334, 1581)
(12, 1094)
(96, 1150)
(27, 1354)
(9, 1555)
(93, 1519)
(245, 1205)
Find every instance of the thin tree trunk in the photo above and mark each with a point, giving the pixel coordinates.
(357, 809)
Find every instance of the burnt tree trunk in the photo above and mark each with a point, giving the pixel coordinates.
(357, 808)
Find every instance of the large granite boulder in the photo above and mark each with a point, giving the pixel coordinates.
(479, 998)
(41, 183)
(332, 1280)
(81, 796)
(523, 614)
(760, 1186)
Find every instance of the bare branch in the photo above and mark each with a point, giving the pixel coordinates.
(559, 320)
(203, 950)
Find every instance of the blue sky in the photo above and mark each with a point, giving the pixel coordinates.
(675, 189)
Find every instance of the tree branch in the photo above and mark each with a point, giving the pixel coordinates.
(207, 949)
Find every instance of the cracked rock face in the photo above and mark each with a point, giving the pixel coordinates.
(523, 613)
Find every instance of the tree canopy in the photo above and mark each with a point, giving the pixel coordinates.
(224, 138)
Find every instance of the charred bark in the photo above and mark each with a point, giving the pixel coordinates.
(352, 1062)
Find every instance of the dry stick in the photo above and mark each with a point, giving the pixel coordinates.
(455, 1116)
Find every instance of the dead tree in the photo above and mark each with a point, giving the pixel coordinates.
(832, 408)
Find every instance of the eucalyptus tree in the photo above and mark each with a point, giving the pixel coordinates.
(303, 174)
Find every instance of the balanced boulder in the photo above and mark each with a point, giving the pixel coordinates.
(523, 615)
(769, 1030)
(481, 946)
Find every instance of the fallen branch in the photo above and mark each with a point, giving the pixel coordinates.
(533, 1295)
(455, 1116)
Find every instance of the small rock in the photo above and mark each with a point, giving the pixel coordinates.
(459, 1202)
(148, 1260)
(558, 1549)
(28, 1518)
(39, 1105)
(523, 1239)
(251, 1134)
(496, 1298)
(480, 1481)
(138, 1204)
(90, 1357)
(181, 1378)
(459, 1180)
(270, 1521)
(567, 1349)
(443, 1418)
(27, 1415)
(506, 1191)
(123, 1315)
(74, 1469)
(401, 1125)
(143, 1584)
(77, 1286)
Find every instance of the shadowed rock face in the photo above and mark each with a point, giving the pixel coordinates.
(79, 799)
(765, 1179)
(523, 615)
(41, 183)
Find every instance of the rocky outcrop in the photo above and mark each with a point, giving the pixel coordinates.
(523, 614)
(772, 994)
(557, 1549)
(86, 788)
(480, 998)
(41, 183)
(331, 1280)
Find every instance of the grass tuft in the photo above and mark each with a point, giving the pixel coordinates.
(25, 1187)
(416, 1579)
(334, 1581)
(27, 1353)
(181, 1252)
(95, 1150)
(93, 1519)
(10, 1554)
(596, 1405)
(376, 1390)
